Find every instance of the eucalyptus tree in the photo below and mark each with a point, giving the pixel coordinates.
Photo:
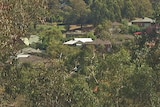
(156, 7)
(106, 10)
(54, 10)
(15, 18)
(99, 12)
(128, 10)
(143, 8)
(114, 10)
(77, 12)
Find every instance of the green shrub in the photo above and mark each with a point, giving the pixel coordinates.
(134, 28)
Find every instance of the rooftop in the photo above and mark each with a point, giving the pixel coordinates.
(145, 19)
(78, 41)
(99, 42)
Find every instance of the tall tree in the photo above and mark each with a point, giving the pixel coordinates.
(99, 12)
(156, 6)
(114, 10)
(143, 8)
(54, 10)
(128, 9)
(78, 12)
(16, 17)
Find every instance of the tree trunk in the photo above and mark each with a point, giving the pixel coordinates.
(35, 26)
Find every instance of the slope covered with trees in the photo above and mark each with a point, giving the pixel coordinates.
(126, 77)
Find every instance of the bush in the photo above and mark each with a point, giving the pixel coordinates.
(134, 28)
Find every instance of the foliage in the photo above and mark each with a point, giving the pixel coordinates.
(50, 36)
(133, 28)
(127, 77)
(156, 6)
(91, 35)
(102, 30)
(78, 12)
(81, 93)
(128, 9)
(124, 28)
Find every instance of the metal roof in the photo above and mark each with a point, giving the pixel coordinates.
(78, 41)
(71, 42)
(22, 56)
(145, 19)
(99, 42)
(83, 39)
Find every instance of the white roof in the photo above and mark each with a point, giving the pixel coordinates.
(71, 42)
(78, 40)
(83, 39)
(23, 56)
(145, 19)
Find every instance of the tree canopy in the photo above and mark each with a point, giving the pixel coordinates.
(88, 75)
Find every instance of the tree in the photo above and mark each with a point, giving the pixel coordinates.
(128, 9)
(81, 93)
(102, 30)
(99, 12)
(54, 10)
(156, 6)
(14, 24)
(114, 10)
(78, 12)
(129, 77)
(143, 8)
(50, 37)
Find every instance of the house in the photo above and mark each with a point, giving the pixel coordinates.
(143, 22)
(116, 27)
(151, 30)
(72, 42)
(137, 33)
(116, 24)
(33, 59)
(84, 40)
(30, 50)
(89, 41)
(22, 56)
(27, 52)
(78, 41)
(99, 42)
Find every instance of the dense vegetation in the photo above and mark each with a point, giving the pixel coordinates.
(128, 76)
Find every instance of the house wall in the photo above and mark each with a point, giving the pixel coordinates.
(142, 24)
